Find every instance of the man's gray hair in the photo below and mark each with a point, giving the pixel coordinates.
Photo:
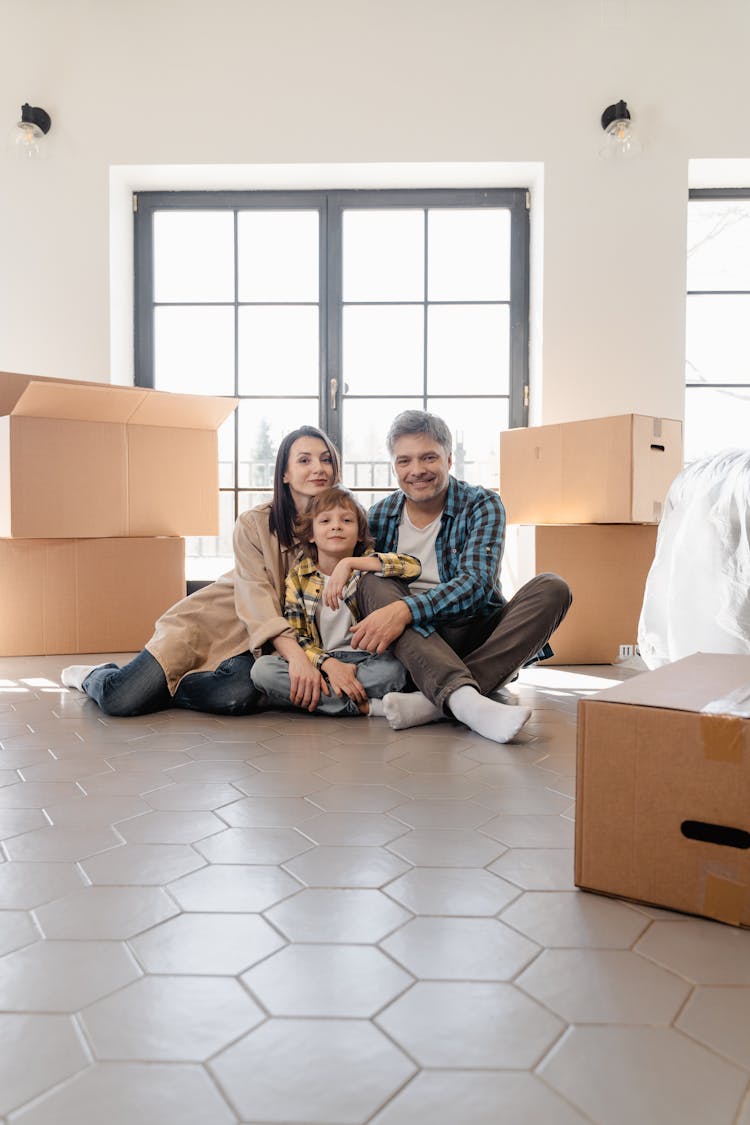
(419, 422)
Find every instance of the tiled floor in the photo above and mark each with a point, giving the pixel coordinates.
(286, 919)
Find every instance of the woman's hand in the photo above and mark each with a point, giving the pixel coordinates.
(306, 682)
(343, 679)
(337, 580)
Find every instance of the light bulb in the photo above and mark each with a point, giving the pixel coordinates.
(27, 139)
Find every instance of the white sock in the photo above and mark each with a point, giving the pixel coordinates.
(409, 709)
(376, 709)
(496, 721)
(74, 675)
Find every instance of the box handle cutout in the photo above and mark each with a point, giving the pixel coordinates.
(660, 448)
(715, 834)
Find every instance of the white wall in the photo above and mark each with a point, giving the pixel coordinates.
(290, 82)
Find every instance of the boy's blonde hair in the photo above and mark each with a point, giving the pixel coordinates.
(334, 497)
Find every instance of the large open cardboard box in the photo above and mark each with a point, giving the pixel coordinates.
(663, 789)
(91, 459)
(86, 595)
(603, 470)
(605, 565)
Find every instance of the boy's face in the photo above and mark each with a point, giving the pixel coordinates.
(335, 532)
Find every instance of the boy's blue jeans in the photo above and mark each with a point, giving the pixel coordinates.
(140, 687)
(377, 674)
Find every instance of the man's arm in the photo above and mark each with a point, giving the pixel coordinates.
(475, 565)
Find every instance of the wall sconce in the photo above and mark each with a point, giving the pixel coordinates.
(32, 128)
(620, 141)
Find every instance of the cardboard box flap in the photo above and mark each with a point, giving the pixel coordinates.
(190, 412)
(38, 397)
(690, 684)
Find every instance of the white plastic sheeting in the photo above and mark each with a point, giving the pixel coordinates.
(697, 596)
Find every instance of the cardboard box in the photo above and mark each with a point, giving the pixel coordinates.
(79, 460)
(605, 565)
(86, 595)
(604, 470)
(663, 790)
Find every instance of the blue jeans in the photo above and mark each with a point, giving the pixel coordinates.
(377, 674)
(140, 687)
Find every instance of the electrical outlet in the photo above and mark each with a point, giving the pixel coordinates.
(626, 651)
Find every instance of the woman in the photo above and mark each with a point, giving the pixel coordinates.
(203, 648)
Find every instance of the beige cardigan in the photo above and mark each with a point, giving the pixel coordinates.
(241, 610)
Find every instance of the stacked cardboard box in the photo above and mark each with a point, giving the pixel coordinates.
(583, 499)
(97, 484)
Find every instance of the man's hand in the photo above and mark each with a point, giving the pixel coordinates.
(343, 679)
(381, 628)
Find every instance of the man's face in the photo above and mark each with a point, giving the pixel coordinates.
(421, 465)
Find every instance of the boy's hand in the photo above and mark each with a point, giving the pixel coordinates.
(306, 683)
(343, 679)
(338, 579)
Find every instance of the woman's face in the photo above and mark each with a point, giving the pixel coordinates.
(308, 471)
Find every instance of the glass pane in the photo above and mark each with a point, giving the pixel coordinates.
(475, 425)
(383, 349)
(277, 255)
(278, 349)
(366, 423)
(208, 556)
(194, 350)
(368, 497)
(468, 349)
(252, 499)
(715, 419)
(262, 425)
(468, 255)
(719, 244)
(226, 452)
(193, 256)
(718, 339)
(383, 255)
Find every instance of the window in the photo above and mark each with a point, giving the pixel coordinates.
(717, 370)
(338, 309)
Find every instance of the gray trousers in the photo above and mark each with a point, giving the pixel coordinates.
(479, 652)
(377, 674)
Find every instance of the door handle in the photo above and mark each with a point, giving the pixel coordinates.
(334, 386)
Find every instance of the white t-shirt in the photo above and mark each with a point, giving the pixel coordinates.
(420, 542)
(335, 625)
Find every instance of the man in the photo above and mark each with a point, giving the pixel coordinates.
(452, 629)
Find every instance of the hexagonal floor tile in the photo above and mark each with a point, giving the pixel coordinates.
(531, 830)
(254, 845)
(703, 952)
(337, 915)
(54, 844)
(105, 912)
(326, 980)
(142, 864)
(441, 814)
(720, 1018)
(346, 867)
(44, 1050)
(445, 1097)
(193, 797)
(222, 944)
(619, 1075)
(604, 986)
(343, 1071)
(170, 827)
(452, 890)
(460, 949)
(179, 1018)
(282, 785)
(357, 798)
(95, 813)
(15, 821)
(446, 847)
(537, 869)
(37, 794)
(268, 812)
(470, 1025)
(134, 1093)
(16, 930)
(63, 976)
(523, 799)
(25, 885)
(233, 888)
(575, 918)
(353, 828)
